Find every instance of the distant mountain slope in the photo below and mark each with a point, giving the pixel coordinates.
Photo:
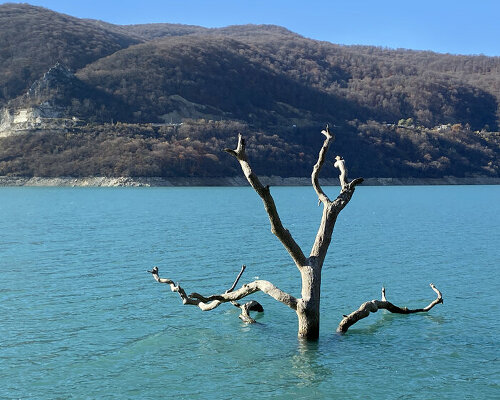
(233, 79)
(33, 39)
(161, 30)
(281, 78)
(59, 91)
(479, 71)
(194, 149)
(266, 73)
(393, 84)
(118, 107)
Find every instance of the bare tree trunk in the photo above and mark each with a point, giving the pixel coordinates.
(308, 306)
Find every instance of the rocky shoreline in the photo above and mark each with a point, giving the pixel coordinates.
(230, 181)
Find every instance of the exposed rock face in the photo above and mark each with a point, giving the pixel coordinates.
(37, 108)
(58, 100)
(57, 77)
(182, 108)
(44, 116)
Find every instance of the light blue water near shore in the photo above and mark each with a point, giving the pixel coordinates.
(81, 319)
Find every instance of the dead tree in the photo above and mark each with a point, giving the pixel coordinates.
(307, 307)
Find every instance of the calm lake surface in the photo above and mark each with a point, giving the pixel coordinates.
(81, 319)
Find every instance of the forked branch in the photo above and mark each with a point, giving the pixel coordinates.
(276, 226)
(373, 306)
(331, 209)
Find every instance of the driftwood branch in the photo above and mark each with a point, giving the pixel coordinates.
(211, 302)
(373, 306)
(277, 228)
(251, 305)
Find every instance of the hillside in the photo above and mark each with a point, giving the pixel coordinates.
(231, 78)
(281, 74)
(200, 86)
(33, 39)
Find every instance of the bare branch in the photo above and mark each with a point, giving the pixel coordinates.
(277, 228)
(324, 235)
(330, 212)
(340, 164)
(323, 198)
(211, 302)
(351, 185)
(237, 279)
(252, 305)
(345, 195)
(373, 306)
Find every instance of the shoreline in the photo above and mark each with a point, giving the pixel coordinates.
(6, 181)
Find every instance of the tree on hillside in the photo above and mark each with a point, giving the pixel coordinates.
(307, 306)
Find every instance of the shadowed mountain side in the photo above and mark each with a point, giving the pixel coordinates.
(373, 83)
(400, 84)
(479, 71)
(60, 93)
(217, 72)
(33, 39)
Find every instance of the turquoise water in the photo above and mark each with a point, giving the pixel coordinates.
(81, 319)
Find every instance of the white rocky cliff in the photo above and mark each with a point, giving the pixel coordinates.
(38, 108)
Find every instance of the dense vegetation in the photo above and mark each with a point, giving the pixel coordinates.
(33, 39)
(274, 85)
(195, 149)
(274, 78)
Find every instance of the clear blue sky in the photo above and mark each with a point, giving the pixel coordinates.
(445, 26)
